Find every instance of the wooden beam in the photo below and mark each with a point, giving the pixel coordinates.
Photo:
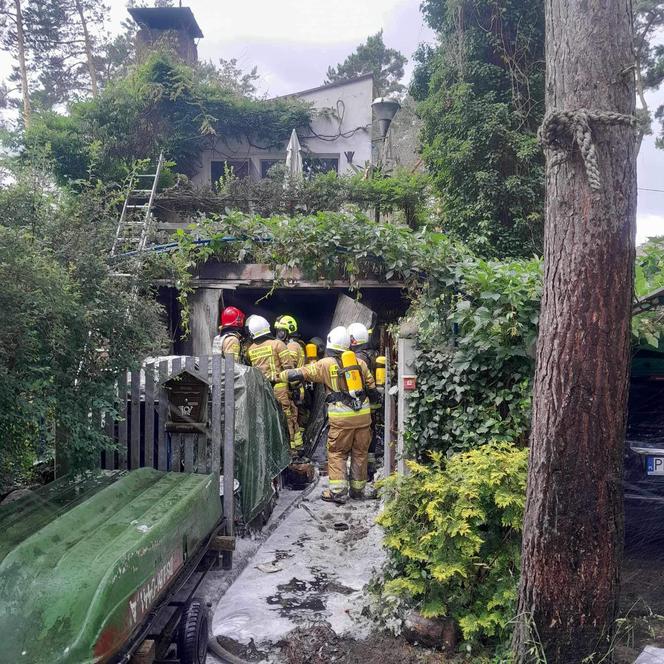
(204, 319)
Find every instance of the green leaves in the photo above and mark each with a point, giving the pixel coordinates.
(481, 94)
(474, 361)
(162, 104)
(452, 529)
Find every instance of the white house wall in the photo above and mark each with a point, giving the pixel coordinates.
(331, 135)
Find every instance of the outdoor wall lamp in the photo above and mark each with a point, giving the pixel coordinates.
(384, 110)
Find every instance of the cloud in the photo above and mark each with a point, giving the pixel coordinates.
(649, 225)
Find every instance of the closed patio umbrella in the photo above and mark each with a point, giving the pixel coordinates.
(294, 157)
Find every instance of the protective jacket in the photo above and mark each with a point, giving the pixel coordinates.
(340, 411)
(297, 351)
(271, 357)
(228, 342)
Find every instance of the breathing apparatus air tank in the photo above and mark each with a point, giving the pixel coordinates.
(311, 351)
(352, 373)
(380, 371)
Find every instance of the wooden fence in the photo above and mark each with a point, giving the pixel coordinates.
(139, 432)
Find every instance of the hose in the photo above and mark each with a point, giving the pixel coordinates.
(226, 657)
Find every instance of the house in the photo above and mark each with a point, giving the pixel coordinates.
(343, 136)
(339, 138)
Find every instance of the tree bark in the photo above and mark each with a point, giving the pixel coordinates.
(88, 49)
(573, 527)
(23, 70)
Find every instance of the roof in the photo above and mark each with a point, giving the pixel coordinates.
(648, 302)
(335, 84)
(166, 18)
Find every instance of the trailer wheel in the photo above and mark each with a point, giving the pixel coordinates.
(192, 645)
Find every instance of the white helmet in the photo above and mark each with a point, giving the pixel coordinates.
(338, 339)
(257, 326)
(358, 334)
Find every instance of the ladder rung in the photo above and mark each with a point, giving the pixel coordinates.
(135, 207)
(121, 274)
(146, 175)
(133, 223)
(140, 191)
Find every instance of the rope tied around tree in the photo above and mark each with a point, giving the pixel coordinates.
(561, 129)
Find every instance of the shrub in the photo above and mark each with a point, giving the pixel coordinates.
(475, 357)
(453, 533)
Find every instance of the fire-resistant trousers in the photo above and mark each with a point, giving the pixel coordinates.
(282, 394)
(342, 443)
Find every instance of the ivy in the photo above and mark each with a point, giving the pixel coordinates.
(453, 532)
(325, 246)
(475, 357)
(404, 195)
(481, 94)
(162, 104)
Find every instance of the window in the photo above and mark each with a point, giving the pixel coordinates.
(315, 165)
(267, 164)
(218, 169)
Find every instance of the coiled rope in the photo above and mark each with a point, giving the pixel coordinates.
(560, 130)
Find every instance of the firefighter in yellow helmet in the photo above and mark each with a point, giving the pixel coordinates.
(271, 357)
(348, 412)
(286, 331)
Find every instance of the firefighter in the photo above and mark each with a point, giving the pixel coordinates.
(229, 339)
(359, 344)
(286, 331)
(286, 327)
(348, 412)
(271, 357)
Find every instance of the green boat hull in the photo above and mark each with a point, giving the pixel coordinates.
(83, 562)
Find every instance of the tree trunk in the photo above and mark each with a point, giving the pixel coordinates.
(88, 49)
(23, 70)
(573, 527)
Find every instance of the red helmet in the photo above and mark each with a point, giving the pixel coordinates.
(232, 317)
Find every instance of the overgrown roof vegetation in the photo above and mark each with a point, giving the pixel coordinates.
(161, 104)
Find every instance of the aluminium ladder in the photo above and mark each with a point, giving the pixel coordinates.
(136, 220)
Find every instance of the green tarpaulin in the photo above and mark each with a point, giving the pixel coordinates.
(261, 440)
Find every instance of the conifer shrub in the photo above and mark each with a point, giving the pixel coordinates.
(453, 534)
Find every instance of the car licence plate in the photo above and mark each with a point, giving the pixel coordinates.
(655, 465)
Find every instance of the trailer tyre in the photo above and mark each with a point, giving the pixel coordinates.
(193, 633)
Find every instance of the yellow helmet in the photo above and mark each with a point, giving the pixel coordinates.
(287, 323)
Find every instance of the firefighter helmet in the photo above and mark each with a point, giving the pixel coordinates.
(338, 339)
(287, 323)
(232, 317)
(359, 334)
(258, 326)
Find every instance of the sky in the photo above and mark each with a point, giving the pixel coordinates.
(292, 42)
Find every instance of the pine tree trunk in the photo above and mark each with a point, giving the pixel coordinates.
(88, 49)
(23, 70)
(573, 528)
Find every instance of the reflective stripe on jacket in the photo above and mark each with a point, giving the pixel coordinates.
(326, 371)
(297, 352)
(271, 357)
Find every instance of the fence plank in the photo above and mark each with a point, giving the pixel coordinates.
(189, 441)
(149, 415)
(162, 453)
(122, 424)
(229, 454)
(176, 439)
(215, 443)
(201, 465)
(135, 433)
(109, 452)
